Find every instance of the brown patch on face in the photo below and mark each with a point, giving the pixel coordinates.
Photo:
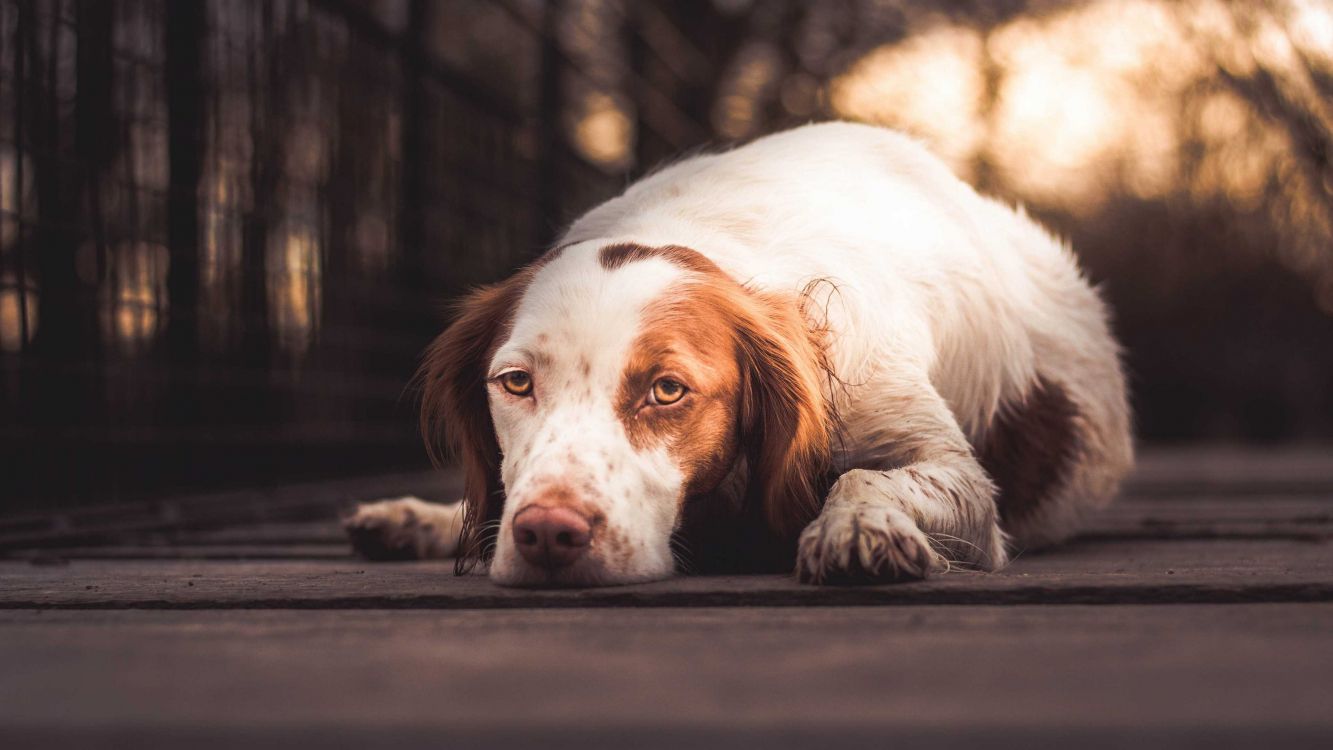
(1029, 449)
(753, 367)
(615, 256)
(455, 416)
(685, 342)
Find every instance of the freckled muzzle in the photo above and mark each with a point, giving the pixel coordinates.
(576, 532)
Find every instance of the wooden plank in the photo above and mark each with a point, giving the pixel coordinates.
(1286, 493)
(1232, 469)
(792, 666)
(291, 503)
(1299, 517)
(1108, 572)
(1307, 517)
(325, 531)
(287, 551)
(1294, 516)
(1220, 676)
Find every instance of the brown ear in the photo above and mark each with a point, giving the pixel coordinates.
(785, 420)
(455, 415)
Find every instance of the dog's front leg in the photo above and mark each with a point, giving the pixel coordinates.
(920, 505)
(405, 528)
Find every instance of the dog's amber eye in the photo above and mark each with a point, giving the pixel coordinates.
(667, 391)
(517, 382)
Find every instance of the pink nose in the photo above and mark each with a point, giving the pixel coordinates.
(551, 537)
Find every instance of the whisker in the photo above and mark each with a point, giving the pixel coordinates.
(682, 555)
(955, 540)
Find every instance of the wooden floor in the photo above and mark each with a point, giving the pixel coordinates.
(1198, 611)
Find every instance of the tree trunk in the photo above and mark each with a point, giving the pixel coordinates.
(265, 137)
(186, 90)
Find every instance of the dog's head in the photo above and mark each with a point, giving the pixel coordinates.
(595, 392)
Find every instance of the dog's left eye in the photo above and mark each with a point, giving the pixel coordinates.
(517, 382)
(666, 391)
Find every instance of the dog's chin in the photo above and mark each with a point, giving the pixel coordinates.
(583, 574)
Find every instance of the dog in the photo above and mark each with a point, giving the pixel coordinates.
(819, 351)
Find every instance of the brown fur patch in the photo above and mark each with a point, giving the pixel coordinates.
(753, 366)
(615, 256)
(1029, 449)
(689, 343)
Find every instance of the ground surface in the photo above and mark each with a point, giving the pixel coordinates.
(1198, 611)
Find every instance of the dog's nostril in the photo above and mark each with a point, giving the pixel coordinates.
(551, 537)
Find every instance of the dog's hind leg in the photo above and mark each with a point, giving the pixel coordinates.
(1058, 454)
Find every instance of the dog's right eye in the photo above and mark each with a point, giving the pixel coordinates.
(667, 391)
(517, 382)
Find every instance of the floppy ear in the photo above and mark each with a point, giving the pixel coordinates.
(785, 420)
(455, 415)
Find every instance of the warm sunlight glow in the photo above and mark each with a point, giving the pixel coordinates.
(294, 288)
(221, 234)
(1095, 100)
(929, 85)
(131, 315)
(9, 202)
(1311, 24)
(603, 131)
(735, 113)
(1218, 103)
(13, 333)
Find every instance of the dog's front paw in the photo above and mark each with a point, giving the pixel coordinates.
(864, 544)
(402, 529)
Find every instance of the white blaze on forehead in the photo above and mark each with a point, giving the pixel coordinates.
(577, 311)
(573, 330)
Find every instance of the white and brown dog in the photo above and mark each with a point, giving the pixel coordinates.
(820, 349)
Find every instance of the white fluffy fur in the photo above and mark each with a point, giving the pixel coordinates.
(943, 307)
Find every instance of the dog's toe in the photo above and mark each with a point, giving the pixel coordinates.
(865, 545)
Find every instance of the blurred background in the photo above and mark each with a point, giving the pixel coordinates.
(228, 227)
